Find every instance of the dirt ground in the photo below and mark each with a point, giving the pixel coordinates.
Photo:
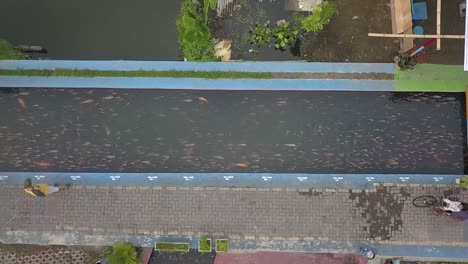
(345, 38)
(20, 254)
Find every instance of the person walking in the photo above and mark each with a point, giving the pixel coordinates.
(42, 189)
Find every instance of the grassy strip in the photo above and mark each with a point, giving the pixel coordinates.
(171, 74)
(8, 52)
(170, 247)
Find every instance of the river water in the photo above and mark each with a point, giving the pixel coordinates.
(94, 30)
(106, 130)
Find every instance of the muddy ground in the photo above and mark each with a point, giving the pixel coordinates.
(345, 38)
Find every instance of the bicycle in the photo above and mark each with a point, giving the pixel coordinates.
(426, 201)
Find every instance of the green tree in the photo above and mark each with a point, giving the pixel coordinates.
(122, 253)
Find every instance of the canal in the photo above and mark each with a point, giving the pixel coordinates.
(124, 130)
(94, 30)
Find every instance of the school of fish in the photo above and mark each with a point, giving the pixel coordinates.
(106, 130)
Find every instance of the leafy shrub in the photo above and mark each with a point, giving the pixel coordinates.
(195, 39)
(8, 52)
(284, 36)
(204, 244)
(122, 253)
(296, 19)
(261, 34)
(208, 4)
(464, 182)
(222, 245)
(320, 17)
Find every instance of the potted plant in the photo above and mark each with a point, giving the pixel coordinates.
(122, 253)
(463, 182)
(222, 245)
(405, 62)
(172, 246)
(204, 244)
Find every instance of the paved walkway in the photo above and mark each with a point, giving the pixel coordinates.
(384, 214)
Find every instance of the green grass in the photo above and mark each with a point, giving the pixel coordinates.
(172, 247)
(222, 245)
(8, 52)
(171, 74)
(204, 244)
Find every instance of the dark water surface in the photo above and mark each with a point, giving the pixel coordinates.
(105, 130)
(94, 30)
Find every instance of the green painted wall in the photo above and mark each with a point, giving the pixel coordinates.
(432, 78)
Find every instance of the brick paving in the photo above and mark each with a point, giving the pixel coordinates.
(384, 214)
(21, 254)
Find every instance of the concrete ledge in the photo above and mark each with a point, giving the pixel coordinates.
(237, 180)
(198, 83)
(307, 67)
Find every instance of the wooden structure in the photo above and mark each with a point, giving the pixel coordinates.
(402, 21)
(225, 7)
(402, 25)
(383, 35)
(466, 47)
(300, 5)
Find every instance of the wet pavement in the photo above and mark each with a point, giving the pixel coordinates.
(108, 130)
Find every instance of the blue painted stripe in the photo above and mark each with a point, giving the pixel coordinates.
(307, 67)
(259, 180)
(424, 251)
(381, 250)
(199, 84)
